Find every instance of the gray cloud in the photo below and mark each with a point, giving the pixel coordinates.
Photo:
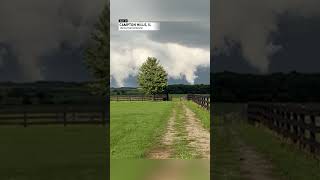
(250, 23)
(164, 10)
(3, 54)
(191, 34)
(181, 45)
(37, 27)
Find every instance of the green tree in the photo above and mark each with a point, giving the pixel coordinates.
(152, 78)
(98, 52)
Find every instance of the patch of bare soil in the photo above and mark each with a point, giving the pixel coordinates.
(198, 136)
(164, 149)
(253, 166)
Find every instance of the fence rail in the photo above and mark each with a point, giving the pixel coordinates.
(202, 100)
(52, 114)
(300, 123)
(138, 98)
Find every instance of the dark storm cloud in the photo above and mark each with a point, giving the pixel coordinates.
(251, 23)
(203, 74)
(35, 28)
(183, 37)
(66, 63)
(164, 10)
(191, 34)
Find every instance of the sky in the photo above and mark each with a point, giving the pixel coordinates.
(265, 36)
(44, 39)
(182, 45)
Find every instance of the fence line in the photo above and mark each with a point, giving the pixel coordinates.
(138, 97)
(202, 100)
(35, 115)
(300, 123)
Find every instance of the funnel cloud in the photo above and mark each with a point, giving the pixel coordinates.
(251, 23)
(36, 28)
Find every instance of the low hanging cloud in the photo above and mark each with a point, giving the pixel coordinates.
(182, 45)
(250, 24)
(179, 61)
(36, 27)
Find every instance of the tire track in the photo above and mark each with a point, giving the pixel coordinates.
(164, 149)
(198, 136)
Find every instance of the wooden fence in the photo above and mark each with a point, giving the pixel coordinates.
(202, 100)
(52, 114)
(300, 123)
(138, 98)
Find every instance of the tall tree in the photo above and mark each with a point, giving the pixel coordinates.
(152, 78)
(98, 52)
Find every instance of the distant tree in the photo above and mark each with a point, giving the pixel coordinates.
(152, 78)
(97, 54)
(123, 92)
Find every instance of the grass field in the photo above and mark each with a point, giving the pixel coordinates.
(136, 126)
(53, 152)
(225, 159)
(201, 113)
(287, 160)
(177, 95)
(181, 148)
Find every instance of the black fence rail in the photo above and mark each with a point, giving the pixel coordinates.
(300, 123)
(52, 114)
(202, 100)
(139, 98)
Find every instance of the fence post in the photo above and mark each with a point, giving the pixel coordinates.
(312, 133)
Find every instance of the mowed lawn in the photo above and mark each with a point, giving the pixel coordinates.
(53, 152)
(136, 126)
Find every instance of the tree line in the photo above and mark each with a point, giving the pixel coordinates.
(276, 87)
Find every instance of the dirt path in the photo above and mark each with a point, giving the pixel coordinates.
(164, 149)
(198, 136)
(253, 165)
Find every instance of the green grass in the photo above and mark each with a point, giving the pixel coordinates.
(181, 148)
(201, 114)
(287, 159)
(53, 152)
(136, 126)
(225, 159)
(177, 95)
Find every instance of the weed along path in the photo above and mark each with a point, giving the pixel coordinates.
(198, 136)
(164, 149)
(252, 164)
(185, 136)
(237, 158)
